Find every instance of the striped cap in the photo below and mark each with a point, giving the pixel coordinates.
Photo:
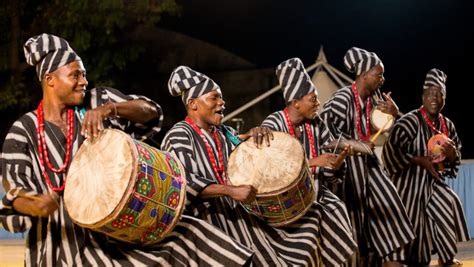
(48, 53)
(188, 83)
(358, 60)
(293, 79)
(435, 77)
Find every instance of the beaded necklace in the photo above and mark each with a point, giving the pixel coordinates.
(308, 131)
(431, 124)
(363, 137)
(217, 170)
(43, 149)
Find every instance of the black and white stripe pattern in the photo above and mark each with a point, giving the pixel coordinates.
(337, 243)
(188, 83)
(435, 77)
(358, 60)
(296, 244)
(56, 241)
(48, 53)
(377, 214)
(434, 209)
(293, 79)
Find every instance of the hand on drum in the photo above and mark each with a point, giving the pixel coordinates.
(388, 105)
(449, 150)
(426, 163)
(259, 134)
(243, 193)
(38, 206)
(92, 122)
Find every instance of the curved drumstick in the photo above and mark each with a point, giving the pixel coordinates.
(381, 130)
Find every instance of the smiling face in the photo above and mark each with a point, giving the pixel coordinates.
(68, 83)
(433, 100)
(308, 105)
(208, 108)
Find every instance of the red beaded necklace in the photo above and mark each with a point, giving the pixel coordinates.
(217, 170)
(43, 149)
(308, 131)
(363, 137)
(431, 124)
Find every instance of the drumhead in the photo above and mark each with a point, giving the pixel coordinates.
(380, 120)
(99, 176)
(267, 169)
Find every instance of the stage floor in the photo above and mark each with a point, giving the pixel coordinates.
(11, 253)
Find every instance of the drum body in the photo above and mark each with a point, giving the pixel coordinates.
(435, 147)
(125, 188)
(285, 188)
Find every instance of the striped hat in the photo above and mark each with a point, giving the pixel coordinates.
(435, 77)
(358, 60)
(188, 83)
(294, 80)
(48, 53)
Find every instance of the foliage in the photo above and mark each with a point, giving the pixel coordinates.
(102, 32)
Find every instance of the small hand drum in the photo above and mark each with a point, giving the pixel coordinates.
(380, 120)
(285, 190)
(435, 147)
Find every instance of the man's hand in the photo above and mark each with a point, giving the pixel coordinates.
(327, 160)
(92, 122)
(259, 134)
(38, 206)
(426, 163)
(449, 150)
(388, 105)
(243, 193)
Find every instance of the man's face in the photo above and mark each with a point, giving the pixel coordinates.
(70, 83)
(374, 78)
(433, 100)
(210, 107)
(308, 105)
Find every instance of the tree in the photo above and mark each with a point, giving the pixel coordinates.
(100, 31)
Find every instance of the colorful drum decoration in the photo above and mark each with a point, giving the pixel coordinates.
(435, 147)
(279, 173)
(125, 188)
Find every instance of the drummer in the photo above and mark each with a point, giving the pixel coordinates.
(300, 119)
(378, 217)
(203, 145)
(421, 183)
(38, 151)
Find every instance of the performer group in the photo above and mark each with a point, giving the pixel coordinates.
(397, 211)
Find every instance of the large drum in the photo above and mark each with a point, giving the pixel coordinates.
(125, 188)
(279, 173)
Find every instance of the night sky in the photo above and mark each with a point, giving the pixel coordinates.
(410, 36)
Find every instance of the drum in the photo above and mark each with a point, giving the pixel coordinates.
(125, 188)
(279, 173)
(381, 121)
(435, 147)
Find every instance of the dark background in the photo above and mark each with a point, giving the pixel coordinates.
(410, 36)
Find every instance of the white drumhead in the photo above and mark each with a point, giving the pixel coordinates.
(381, 120)
(270, 168)
(99, 177)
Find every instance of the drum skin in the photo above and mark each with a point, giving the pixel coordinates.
(380, 120)
(285, 189)
(125, 188)
(435, 147)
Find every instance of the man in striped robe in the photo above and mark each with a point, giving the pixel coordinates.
(378, 217)
(203, 145)
(33, 180)
(434, 209)
(300, 120)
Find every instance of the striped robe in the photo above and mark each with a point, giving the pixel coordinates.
(295, 244)
(337, 244)
(434, 209)
(56, 241)
(378, 217)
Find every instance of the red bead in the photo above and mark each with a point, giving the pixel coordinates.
(430, 123)
(363, 137)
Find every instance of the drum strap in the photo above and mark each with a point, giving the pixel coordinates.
(229, 135)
